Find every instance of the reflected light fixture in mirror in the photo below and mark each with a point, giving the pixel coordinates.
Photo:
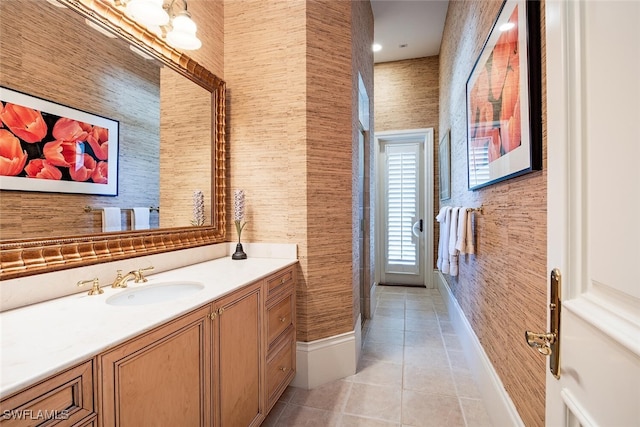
(159, 16)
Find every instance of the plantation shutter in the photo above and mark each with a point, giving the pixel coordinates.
(402, 207)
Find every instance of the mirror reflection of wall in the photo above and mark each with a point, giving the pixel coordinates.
(50, 52)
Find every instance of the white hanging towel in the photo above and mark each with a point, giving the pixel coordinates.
(470, 246)
(443, 242)
(461, 241)
(111, 219)
(140, 218)
(453, 237)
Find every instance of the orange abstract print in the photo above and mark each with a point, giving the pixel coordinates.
(494, 100)
(35, 144)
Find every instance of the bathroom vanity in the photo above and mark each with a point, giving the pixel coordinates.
(220, 356)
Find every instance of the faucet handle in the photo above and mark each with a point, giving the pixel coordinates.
(139, 276)
(117, 281)
(95, 289)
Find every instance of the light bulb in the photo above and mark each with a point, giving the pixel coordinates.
(183, 32)
(148, 12)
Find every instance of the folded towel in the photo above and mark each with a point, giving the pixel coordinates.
(140, 218)
(111, 219)
(453, 236)
(442, 215)
(470, 247)
(443, 244)
(461, 241)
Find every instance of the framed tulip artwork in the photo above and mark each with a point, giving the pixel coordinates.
(504, 110)
(49, 147)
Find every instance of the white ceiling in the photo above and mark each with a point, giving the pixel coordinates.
(416, 23)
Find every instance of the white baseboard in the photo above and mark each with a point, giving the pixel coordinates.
(327, 359)
(496, 399)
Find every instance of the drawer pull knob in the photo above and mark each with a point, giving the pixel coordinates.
(213, 315)
(283, 319)
(282, 281)
(283, 368)
(220, 311)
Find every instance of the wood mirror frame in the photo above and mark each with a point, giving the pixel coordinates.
(26, 257)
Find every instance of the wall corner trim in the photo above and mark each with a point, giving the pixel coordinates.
(327, 359)
(499, 405)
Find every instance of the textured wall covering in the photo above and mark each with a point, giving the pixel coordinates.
(501, 289)
(288, 72)
(407, 98)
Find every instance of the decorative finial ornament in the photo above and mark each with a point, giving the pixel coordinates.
(198, 208)
(238, 217)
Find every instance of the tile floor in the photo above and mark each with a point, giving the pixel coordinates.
(412, 373)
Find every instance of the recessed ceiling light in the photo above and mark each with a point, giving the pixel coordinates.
(403, 45)
(506, 26)
(376, 47)
(99, 29)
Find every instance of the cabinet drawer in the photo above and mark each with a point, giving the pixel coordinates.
(281, 368)
(62, 400)
(279, 317)
(276, 282)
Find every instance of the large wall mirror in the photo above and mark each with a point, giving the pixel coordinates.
(87, 55)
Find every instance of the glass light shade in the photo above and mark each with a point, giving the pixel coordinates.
(183, 33)
(148, 12)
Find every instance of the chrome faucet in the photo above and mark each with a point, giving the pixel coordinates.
(136, 275)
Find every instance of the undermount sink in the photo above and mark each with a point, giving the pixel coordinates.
(159, 292)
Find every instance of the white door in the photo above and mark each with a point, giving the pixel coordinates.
(593, 99)
(405, 230)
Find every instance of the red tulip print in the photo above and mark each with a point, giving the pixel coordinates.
(61, 153)
(25, 123)
(12, 157)
(42, 169)
(36, 144)
(494, 99)
(98, 139)
(101, 173)
(83, 169)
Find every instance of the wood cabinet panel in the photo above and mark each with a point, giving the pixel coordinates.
(279, 316)
(62, 400)
(240, 357)
(279, 280)
(161, 378)
(281, 366)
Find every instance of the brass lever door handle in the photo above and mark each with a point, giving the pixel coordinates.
(548, 343)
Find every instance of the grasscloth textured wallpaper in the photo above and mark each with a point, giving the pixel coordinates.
(288, 71)
(502, 288)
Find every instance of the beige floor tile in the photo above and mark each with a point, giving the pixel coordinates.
(384, 335)
(435, 355)
(458, 362)
(330, 397)
(426, 410)
(288, 394)
(424, 338)
(371, 371)
(452, 342)
(392, 290)
(379, 321)
(381, 297)
(466, 386)
(354, 421)
(429, 379)
(374, 401)
(391, 303)
(426, 323)
(302, 416)
(274, 414)
(446, 327)
(475, 413)
(385, 352)
(393, 312)
(424, 314)
(419, 304)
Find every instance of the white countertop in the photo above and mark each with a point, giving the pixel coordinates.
(40, 340)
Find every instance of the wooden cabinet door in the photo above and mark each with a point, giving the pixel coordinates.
(240, 358)
(162, 378)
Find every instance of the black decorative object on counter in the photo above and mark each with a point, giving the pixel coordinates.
(238, 205)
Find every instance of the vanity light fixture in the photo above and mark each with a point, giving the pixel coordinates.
(159, 17)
